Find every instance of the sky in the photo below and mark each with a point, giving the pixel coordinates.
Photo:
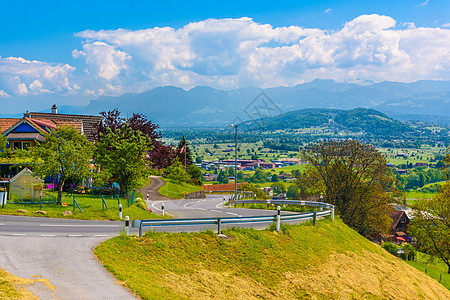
(70, 52)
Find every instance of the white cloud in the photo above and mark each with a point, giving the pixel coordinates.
(446, 25)
(23, 77)
(423, 3)
(4, 94)
(231, 53)
(328, 10)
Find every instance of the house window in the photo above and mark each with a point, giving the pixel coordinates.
(17, 145)
(22, 145)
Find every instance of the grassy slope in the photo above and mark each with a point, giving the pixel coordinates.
(13, 287)
(176, 190)
(327, 261)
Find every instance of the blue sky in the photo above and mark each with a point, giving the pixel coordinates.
(74, 51)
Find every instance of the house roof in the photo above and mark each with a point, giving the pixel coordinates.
(25, 136)
(396, 216)
(88, 125)
(5, 124)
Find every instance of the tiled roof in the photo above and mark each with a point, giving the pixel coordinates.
(25, 136)
(5, 124)
(89, 123)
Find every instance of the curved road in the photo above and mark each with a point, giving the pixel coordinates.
(61, 250)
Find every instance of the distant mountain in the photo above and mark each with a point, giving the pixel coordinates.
(356, 120)
(205, 106)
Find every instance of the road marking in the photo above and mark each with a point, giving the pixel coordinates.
(2, 224)
(220, 204)
(230, 213)
(215, 210)
(201, 208)
(47, 235)
(74, 235)
(73, 225)
(19, 234)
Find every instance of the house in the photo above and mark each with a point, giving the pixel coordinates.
(24, 133)
(399, 226)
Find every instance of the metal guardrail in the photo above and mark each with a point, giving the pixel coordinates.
(238, 220)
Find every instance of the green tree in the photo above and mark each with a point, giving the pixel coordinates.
(66, 153)
(274, 178)
(177, 172)
(278, 188)
(3, 142)
(184, 151)
(352, 176)
(222, 178)
(293, 192)
(196, 174)
(122, 154)
(431, 225)
(240, 176)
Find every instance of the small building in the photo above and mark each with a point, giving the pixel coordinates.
(25, 186)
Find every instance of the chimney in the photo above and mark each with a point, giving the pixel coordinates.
(54, 109)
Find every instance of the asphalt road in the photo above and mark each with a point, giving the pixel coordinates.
(61, 250)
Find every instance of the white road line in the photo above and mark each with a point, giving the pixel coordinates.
(220, 204)
(230, 213)
(199, 208)
(19, 234)
(73, 225)
(2, 224)
(215, 210)
(47, 235)
(74, 235)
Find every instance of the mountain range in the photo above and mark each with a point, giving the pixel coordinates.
(205, 106)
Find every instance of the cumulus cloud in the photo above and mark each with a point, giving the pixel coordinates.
(232, 53)
(4, 94)
(19, 76)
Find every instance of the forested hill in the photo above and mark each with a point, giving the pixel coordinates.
(363, 120)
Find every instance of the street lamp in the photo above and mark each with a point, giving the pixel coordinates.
(235, 162)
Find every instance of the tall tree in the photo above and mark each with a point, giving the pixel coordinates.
(352, 176)
(431, 223)
(65, 153)
(159, 155)
(184, 152)
(122, 153)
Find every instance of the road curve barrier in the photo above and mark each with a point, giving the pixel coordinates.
(327, 210)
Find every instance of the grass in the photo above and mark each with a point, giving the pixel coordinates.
(92, 209)
(13, 287)
(436, 270)
(329, 261)
(176, 190)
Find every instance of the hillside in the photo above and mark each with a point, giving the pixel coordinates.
(329, 261)
(364, 120)
(204, 106)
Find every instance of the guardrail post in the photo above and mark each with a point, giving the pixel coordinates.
(147, 197)
(120, 211)
(223, 201)
(314, 218)
(140, 229)
(219, 226)
(162, 209)
(127, 225)
(332, 214)
(278, 218)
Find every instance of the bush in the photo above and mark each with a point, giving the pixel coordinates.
(390, 247)
(139, 202)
